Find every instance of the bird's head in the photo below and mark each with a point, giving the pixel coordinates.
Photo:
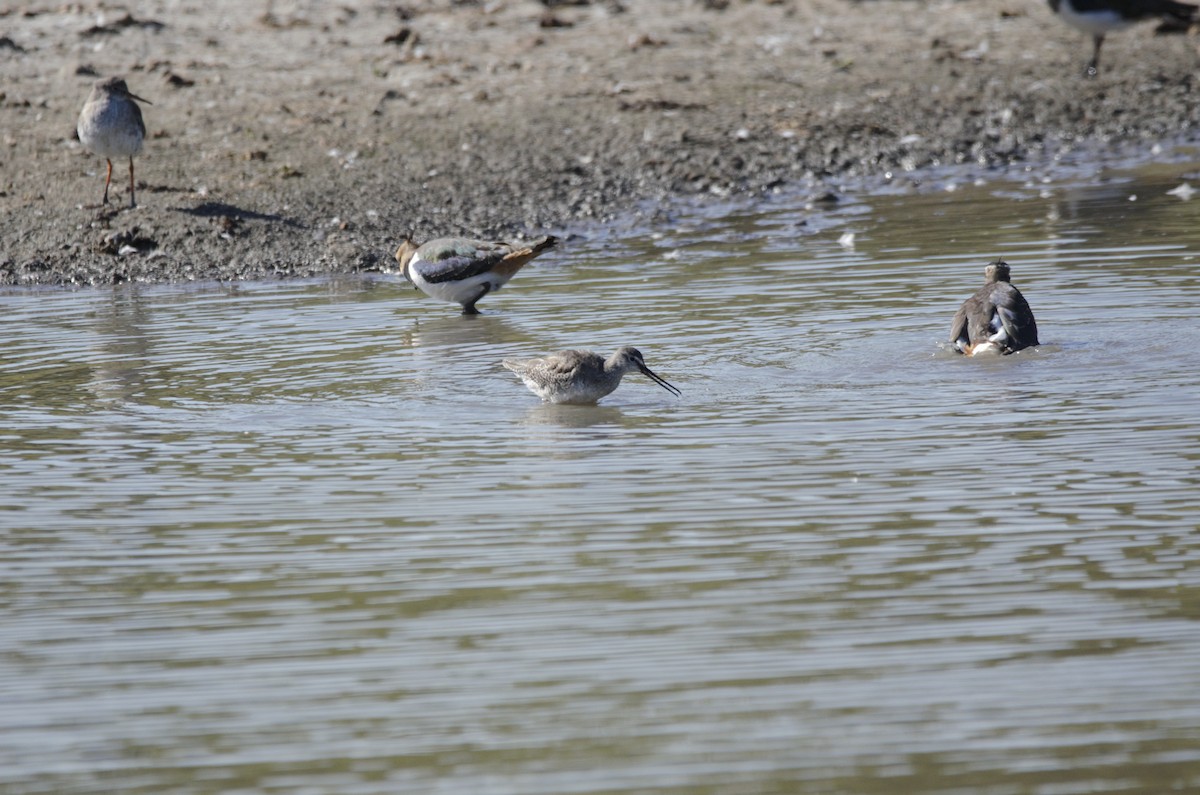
(996, 272)
(116, 85)
(404, 256)
(630, 358)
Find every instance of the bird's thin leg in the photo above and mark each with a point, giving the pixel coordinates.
(132, 203)
(107, 180)
(1093, 67)
(469, 307)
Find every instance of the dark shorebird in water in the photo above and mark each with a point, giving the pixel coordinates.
(1100, 17)
(582, 376)
(111, 125)
(997, 319)
(462, 271)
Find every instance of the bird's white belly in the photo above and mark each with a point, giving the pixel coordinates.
(108, 138)
(1093, 22)
(568, 393)
(987, 348)
(576, 395)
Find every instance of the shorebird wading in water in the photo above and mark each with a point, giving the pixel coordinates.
(111, 125)
(1101, 17)
(997, 319)
(462, 271)
(582, 376)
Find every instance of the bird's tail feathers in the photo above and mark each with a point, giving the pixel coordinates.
(517, 259)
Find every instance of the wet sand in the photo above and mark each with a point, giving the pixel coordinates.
(293, 139)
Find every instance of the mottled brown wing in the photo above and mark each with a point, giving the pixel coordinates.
(958, 329)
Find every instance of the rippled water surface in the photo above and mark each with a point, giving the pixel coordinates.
(311, 538)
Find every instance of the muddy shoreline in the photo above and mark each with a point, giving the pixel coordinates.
(295, 139)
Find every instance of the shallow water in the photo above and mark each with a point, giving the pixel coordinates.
(311, 538)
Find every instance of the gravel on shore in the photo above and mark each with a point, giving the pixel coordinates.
(294, 139)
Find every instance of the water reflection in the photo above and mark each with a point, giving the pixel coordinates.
(311, 536)
(449, 330)
(572, 417)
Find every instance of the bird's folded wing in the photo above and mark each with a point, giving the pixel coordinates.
(455, 266)
(958, 329)
(1017, 317)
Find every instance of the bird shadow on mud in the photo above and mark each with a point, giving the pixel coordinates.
(222, 210)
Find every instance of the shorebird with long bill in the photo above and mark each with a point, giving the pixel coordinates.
(582, 376)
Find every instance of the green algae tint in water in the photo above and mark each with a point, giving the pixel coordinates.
(311, 537)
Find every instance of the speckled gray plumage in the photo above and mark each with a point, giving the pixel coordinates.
(576, 376)
(111, 125)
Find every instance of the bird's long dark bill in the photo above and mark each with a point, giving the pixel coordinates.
(139, 99)
(646, 371)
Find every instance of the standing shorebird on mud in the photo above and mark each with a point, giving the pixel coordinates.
(582, 376)
(111, 125)
(462, 271)
(1101, 17)
(997, 319)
